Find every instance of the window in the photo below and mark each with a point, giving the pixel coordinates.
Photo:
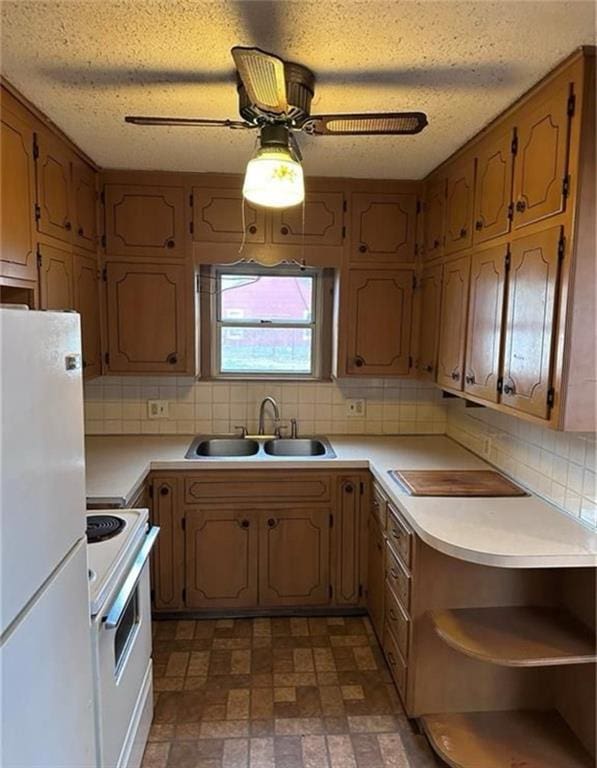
(267, 322)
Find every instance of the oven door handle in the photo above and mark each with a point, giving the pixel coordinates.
(117, 608)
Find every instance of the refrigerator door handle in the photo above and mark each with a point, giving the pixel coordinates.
(117, 608)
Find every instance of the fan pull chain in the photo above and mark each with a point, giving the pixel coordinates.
(303, 239)
(244, 226)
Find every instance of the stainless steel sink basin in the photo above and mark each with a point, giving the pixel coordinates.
(301, 446)
(224, 447)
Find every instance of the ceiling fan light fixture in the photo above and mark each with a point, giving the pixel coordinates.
(274, 178)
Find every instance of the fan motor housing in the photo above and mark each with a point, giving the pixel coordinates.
(300, 85)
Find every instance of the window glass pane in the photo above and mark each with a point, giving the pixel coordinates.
(282, 298)
(265, 350)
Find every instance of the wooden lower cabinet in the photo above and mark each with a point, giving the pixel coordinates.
(221, 558)
(375, 575)
(167, 562)
(294, 557)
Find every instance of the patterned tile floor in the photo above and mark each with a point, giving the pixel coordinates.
(277, 693)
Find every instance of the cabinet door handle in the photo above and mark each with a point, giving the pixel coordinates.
(520, 206)
(469, 378)
(436, 243)
(508, 389)
(170, 243)
(272, 522)
(172, 358)
(252, 229)
(80, 231)
(479, 225)
(393, 615)
(244, 523)
(164, 490)
(455, 375)
(68, 226)
(284, 230)
(463, 232)
(359, 362)
(362, 248)
(349, 487)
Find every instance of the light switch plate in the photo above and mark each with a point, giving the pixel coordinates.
(157, 409)
(355, 408)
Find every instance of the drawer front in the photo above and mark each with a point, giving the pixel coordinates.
(398, 621)
(398, 578)
(379, 506)
(247, 487)
(395, 661)
(399, 535)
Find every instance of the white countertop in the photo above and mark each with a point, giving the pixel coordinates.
(521, 532)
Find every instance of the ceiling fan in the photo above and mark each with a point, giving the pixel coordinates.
(275, 97)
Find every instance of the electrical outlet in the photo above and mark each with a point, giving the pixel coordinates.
(355, 408)
(157, 409)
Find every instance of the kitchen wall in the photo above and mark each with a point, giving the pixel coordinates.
(560, 466)
(118, 405)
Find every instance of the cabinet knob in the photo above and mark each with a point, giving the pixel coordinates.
(479, 225)
(362, 248)
(520, 206)
(508, 389)
(359, 362)
(68, 226)
(172, 358)
(80, 231)
(271, 523)
(469, 378)
(436, 243)
(428, 368)
(170, 243)
(463, 232)
(164, 490)
(252, 229)
(349, 487)
(284, 230)
(244, 523)
(455, 376)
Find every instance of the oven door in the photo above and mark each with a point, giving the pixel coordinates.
(123, 655)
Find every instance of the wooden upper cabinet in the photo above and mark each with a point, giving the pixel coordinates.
(434, 218)
(453, 315)
(430, 296)
(147, 317)
(84, 186)
(167, 558)
(294, 557)
(221, 558)
(218, 217)
(485, 319)
(540, 166)
(493, 191)
(54, 188)
(17, 236)
(86, 302)
(530, 324)
(323, 221)
(383, 228)
(55, 278)
(378, 322)
(459, 205)
(145, 221)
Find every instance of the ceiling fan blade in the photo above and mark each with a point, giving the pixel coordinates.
(187, 121)
(373, 124)
(262, 75)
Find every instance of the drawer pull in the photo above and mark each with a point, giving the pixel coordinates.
(272, 522)
(393, 573)
(284, 230)
(252, 229)
(244, 523)
(391, 658)
(393, 615)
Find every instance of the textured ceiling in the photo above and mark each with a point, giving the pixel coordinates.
(87, 64)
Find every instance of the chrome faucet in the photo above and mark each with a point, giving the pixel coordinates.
(276, 410)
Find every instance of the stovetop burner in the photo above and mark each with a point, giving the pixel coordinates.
(103, 527)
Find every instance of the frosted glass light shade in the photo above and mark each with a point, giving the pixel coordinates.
(274, 179)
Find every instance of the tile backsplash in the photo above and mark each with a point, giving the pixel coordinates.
(118, 405)
(559, 466)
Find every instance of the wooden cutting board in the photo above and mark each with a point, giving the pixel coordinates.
(463, 482)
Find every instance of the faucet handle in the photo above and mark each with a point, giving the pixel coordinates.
(293, 429)
(243, 430)
(280, 429)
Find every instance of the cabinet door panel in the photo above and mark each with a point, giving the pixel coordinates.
(294, 557)
(218, 217)
(55, 278)
(531, 307)
(430, 287)
(145, 221)
(221, 559)
(84, 206)
(459, 206)
(379, 322)
(383, 228)
(17, 245)
(485, 318)
(434, 218)
(54, 189)
(323, 221)
(541, 161)
(453, 323)
(167, 559)
(493, 191)
(86, 301)
(375, 576)
(348, 542)
(146, 317)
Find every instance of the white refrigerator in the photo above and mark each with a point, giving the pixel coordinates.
(46, 715)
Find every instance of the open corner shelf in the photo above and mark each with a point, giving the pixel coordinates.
(504, 739)
(517, 636)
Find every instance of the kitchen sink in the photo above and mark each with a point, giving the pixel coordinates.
(223, 447)
(300, 446)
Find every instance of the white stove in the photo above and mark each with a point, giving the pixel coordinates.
(119, 595)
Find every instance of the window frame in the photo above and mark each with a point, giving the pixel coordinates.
(320, 324)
